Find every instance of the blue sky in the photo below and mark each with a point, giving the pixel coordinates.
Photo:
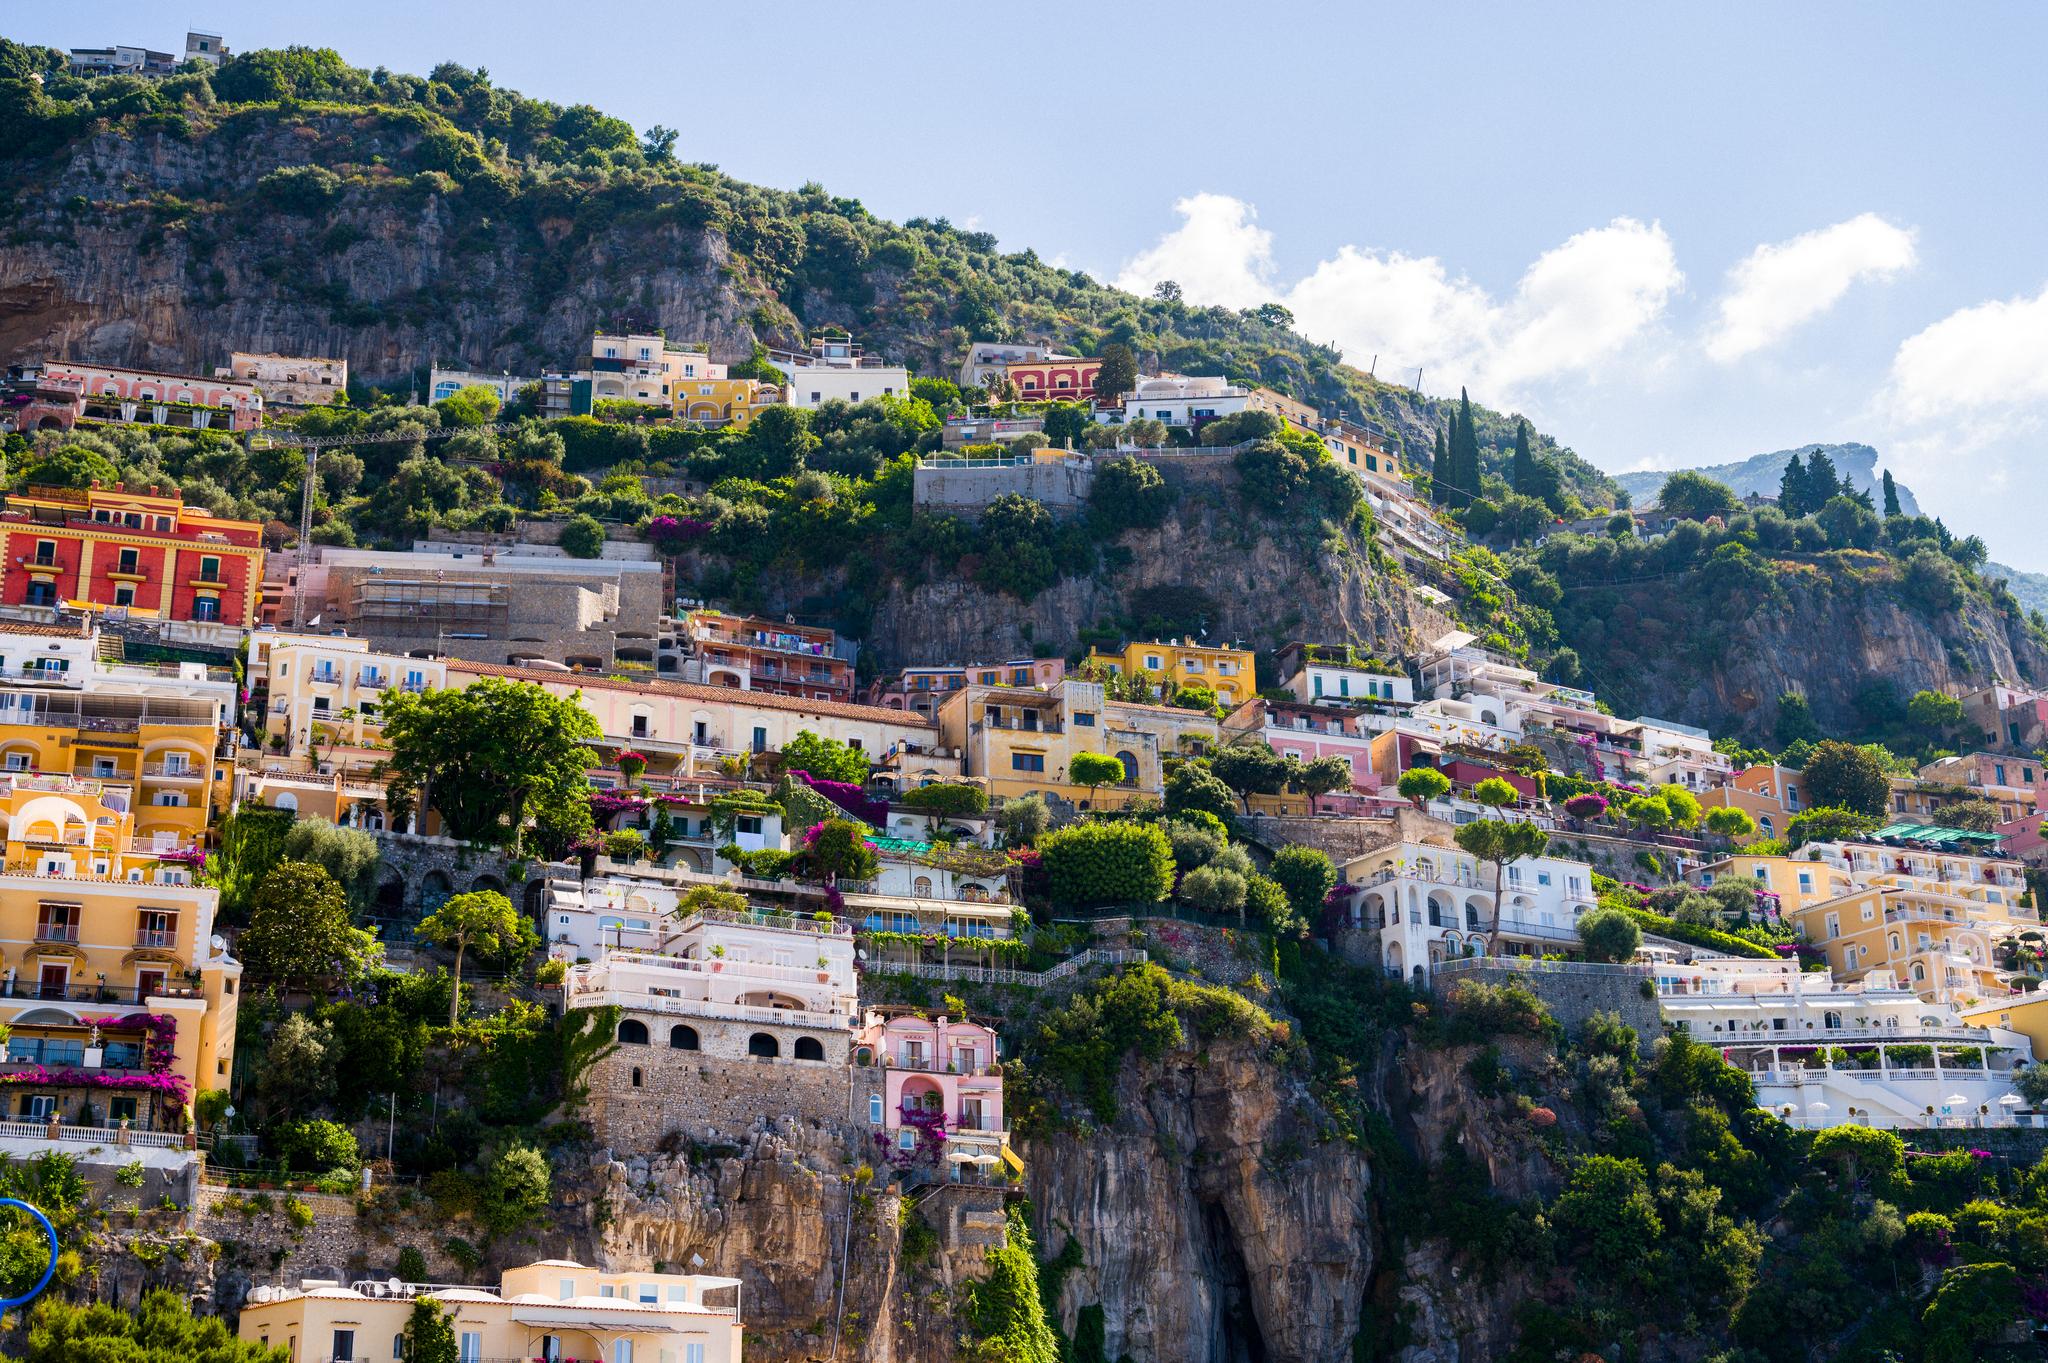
(1668, 236)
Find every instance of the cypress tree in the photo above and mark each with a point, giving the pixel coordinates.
(1891, 496)
(1465, 452)
(1440, 468)
(1792, 488)
(1823, 484)
(1525, 462)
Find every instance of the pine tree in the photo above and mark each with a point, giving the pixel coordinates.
(1891, 496)
(1792, 499)
(1525, 463)
(1440, 469)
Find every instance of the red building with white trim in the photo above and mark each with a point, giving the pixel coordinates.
(146, 553)
(1054, 380)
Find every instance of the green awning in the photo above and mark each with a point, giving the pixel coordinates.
(1939, 836)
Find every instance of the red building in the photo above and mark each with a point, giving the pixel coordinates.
(750, 653)
(1054, 380)
(147, 553)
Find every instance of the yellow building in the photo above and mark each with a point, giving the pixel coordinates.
(121, 1006)
(2026, 1014)
(1938, 943)
(1226, 671)
(553, 1309)
(722, 401)
(1020, 740)
(158, 750)
(1797, 881)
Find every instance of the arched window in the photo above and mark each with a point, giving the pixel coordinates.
(763, 1045)
(875, 1109)
(809, 1048)
(1130, 761)
(1831, 1021)
(636, 1076)
(632, 1033)
(681, 1038)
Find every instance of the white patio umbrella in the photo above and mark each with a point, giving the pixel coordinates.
(2012, 1100)
(1956, 1100)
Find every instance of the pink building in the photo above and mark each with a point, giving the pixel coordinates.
(1307, 731)
(942, 1092)
(146, 396)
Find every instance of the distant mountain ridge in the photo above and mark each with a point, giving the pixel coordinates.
(1760, 474)
(2030, 588)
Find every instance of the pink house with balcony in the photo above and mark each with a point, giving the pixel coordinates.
(942, 1093)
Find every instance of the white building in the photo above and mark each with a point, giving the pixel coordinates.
(1826, 1054)
(1181, 401)
(446, 383)
(835, 369)
(725, 976)
(289, 380)
(1327, 677)
(1424, 903)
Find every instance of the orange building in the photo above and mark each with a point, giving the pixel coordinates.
(143, 552)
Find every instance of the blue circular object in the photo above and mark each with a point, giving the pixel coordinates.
(50, 1231)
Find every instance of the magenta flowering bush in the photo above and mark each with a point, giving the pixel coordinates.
(162, 1048)
(609, 804)
(673, 532)
(37, 1076)
(1586, 806)
(848, 797)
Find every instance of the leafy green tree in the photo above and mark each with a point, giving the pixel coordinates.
(1793, 498)
(1127, 493)
(947, 799)
(1094, 769)
(1118, 374)
(1306, 875)
(839, 849)
(825, 758)
(1441, 475)
(1935, 714)
(1844, 776)
(491, 756)
(1194, 787)
(1608, 1215)
(1932, 580)
(1696, 497)
(1251, 769)
(1107, 863)
(299, 932)
(1683, 804)
(1023, 820)
(1978, 816)
(1795, 723)
(1195, 844)
(516, 1190)
(348, 854)
(1266, 903)
(1849, 524)
(1066, 424)
(1891, 496)
(1501, 842)
(475, 405)
(483, 919)
(1727, 821)
(582, 537)
(1423, 784)
(162, 1329)
(1609, 935)
(72, 466)
(251, 843)
(1496, 792)
(1323, 776)
(1213, 889)
(1971, 1311)
(311, 1145)
(777, 443)
(429, 1334)
(1859, 1153)
(1017, 536)
(1827, 824)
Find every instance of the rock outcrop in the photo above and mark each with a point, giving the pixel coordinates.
(1213, 1223)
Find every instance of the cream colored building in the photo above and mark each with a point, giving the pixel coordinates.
(290, 380)
(1020, 740)
(552, 1310)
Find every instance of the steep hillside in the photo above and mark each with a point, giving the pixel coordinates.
(293, 203)
(1759, 474)
(2030, 588)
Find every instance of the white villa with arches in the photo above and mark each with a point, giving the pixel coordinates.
(1820, 1053)
(1414, 904)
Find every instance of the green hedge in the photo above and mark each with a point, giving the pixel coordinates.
(1696, 936)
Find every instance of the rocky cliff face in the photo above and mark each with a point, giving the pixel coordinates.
(1829, 638)
(1213, 1222)
(1253, 585)
(130, 250)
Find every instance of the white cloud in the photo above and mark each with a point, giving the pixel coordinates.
(1218, 255)
(1986, 364)
(1577, 306)
(1781, 285)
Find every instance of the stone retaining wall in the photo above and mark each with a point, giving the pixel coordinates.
(715, 1096)
(1574, 996)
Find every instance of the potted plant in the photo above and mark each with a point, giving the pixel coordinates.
(824, 974)
(718, 958)
(631, 764)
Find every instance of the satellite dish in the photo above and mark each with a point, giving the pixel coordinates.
(696, 1261)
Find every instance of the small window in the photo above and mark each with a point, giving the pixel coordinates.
(875, 1109)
